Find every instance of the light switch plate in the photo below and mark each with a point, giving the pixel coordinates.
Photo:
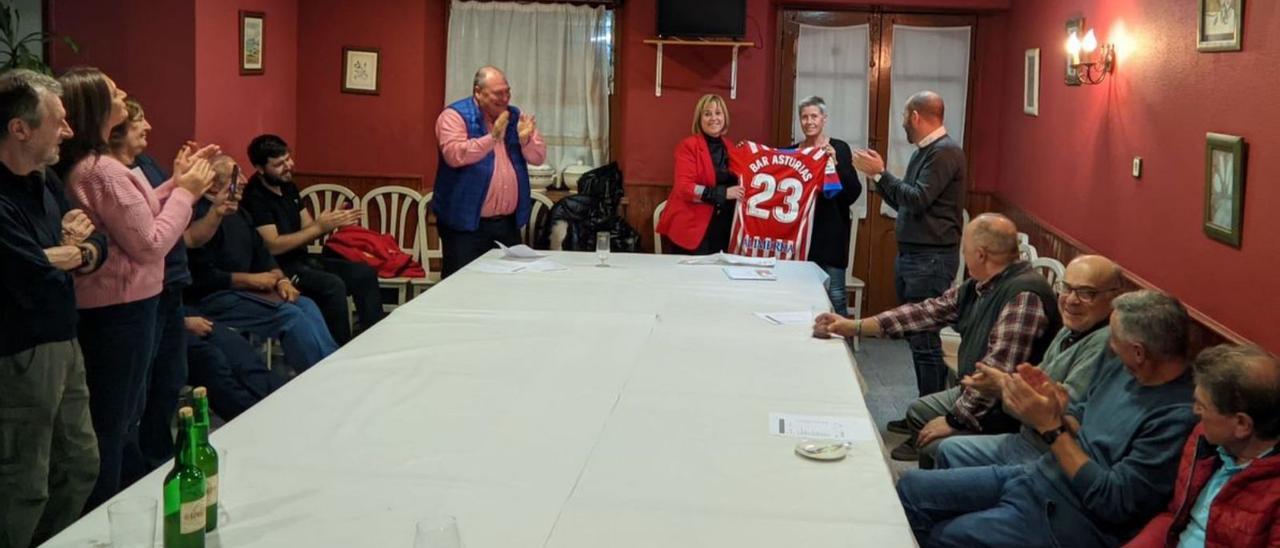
(1137, 167)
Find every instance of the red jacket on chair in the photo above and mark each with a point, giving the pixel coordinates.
(686, 217)
(1245, 512)
(361, 245)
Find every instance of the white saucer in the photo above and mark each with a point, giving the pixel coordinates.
(822, 449)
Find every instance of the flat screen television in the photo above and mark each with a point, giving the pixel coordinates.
(699, 18)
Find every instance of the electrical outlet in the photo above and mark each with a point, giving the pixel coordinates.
(1137, 167)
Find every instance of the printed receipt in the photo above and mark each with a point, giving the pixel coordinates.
(818, 427)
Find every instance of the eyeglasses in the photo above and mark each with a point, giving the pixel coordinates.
(1085, 294)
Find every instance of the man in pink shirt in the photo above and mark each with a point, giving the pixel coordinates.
(481, 190)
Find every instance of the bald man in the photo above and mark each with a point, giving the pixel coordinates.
(1085, 293)
(929, 200)
(1006, 315)
(482, 183)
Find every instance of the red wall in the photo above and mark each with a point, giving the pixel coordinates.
(232, 109)
(1070, 166)
(387, 134)
(146, 47)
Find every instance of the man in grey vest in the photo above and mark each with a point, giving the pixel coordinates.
(929, 200)
(1006, 315)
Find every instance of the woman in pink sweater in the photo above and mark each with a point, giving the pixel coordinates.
(118, 302)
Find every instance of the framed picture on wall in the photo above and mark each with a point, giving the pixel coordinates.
(1220, 24)
(1224, 187)
(252, 47)
(1031, 82)
(360, 70)
(1075, 25)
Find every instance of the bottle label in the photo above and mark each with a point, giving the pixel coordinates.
(193, 516)
(211, 490)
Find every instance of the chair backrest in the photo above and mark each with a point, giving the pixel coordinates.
(1024, 238)
(541, 207)
(430, 246)
(1027, 252)
(1051, 268)
(960, 268)
(657, 238)
(324, 197)
(853, 248)
(391, 210)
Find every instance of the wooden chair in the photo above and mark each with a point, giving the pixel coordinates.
(391, 210)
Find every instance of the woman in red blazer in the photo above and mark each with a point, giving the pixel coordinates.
(699, 212)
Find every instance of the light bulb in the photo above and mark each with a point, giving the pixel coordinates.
(1073, 44)
(1090, 42)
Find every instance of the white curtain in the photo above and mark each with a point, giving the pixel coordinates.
(831, 63)
(926, 58)
(558, 61)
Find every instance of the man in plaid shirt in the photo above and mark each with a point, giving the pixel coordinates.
(1007, 315)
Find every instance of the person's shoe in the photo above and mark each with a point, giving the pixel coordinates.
(898, 427)
(906, 451)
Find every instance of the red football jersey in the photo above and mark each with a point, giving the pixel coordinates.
(774, 218)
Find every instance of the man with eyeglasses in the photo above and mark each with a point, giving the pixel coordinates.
(1085, 294)
(1006, 315)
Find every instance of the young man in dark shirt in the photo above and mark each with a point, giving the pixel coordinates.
(47, 445)
(286, 227)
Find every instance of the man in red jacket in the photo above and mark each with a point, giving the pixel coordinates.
(1228, 489)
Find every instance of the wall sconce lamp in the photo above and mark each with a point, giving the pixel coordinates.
(1091, 64)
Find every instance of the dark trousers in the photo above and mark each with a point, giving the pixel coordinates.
(919, 276)
(229, 367)
(329, 281)
(48, 454)
(165, 378)
(460, 247)
(118, 343)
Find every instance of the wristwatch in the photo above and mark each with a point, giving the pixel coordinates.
(1051, 436)
(86, 255)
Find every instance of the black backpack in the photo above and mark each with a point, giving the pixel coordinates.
(593, 209)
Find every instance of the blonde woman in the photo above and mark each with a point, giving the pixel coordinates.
(699, 212)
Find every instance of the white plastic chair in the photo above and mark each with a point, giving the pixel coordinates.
(1027, 252)
(324, 197)
(853, 283)
(960, 269)
(1051, 268)
(951, 338)
(428, 248)
(541, 207)
(395, 208)
(657, 238)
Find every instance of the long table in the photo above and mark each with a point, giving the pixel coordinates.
(593, 407)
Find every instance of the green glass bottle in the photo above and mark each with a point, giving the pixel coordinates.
(184, 507)
(206, 458)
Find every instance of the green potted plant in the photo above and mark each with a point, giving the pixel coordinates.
(20, 51)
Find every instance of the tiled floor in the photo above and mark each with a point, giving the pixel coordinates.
(891, 387)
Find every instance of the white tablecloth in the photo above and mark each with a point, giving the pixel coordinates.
(594, 407)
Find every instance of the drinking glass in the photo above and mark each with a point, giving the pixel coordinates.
(133, 522)
(602, 248)
(438, 532)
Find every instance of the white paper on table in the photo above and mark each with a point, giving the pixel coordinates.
(520, 251)
(811, 426)
(545, 265)
(787, 318)
(731, 259)
(497, 266)
(749, 273)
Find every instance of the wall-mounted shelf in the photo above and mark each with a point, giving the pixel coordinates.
(660, 42)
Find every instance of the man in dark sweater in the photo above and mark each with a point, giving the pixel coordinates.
(1006, 313)
(1113, 455)
(929, 200)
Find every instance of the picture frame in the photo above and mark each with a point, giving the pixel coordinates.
(1219, 25)
(1224, 169)
(1031, 82)
(1076, 25)
(361, 70)
(253, 50)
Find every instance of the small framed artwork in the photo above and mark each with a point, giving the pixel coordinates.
(1076, 25)
(360, 70)
(1220, 24)
(1031, 82)
(1224, 187)
(252, 47)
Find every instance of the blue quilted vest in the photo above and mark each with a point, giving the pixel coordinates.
(460, 192)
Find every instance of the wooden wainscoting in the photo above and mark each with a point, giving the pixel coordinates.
(1051, 242)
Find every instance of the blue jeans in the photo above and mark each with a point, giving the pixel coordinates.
(966, 451)
(118, 343)
(919, 276)
(299, 325)
(836, 290)
(987, 506)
